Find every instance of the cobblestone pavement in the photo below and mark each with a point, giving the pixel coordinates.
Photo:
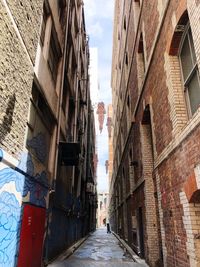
(99, 250)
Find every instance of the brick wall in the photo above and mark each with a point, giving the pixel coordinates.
(177, 212)
(175, 135)
(28, 17)
(152, 247)
(16, 75)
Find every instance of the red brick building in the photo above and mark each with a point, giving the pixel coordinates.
(155, 187)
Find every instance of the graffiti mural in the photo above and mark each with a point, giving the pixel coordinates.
(9, 223)
(38, 144)
(19, 183)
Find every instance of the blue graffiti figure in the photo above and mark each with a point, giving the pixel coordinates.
(38, 143)
(10, 206)
(37, 191)
(9, 223)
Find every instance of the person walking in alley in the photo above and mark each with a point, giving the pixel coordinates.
(108, 228)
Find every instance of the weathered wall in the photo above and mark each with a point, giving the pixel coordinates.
(175, 135)
(28, 17)
(20, 183)
(16, 69)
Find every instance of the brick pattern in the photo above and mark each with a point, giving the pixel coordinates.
(194, 16)
(190, 126)
(175, 137)
(131, 177)
(16, 75)
(162, 227)
(191, 219)
(172, 175)
(152, 247)
(28, 16)
(140, 70)
(150, 15)
(176, 99)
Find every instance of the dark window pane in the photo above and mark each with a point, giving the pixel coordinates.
(44, 22)
(186, 59)
(192, 46)
(194, 92)
(54, 54)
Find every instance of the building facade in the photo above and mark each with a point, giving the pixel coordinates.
(156, 96)
(47, 133)
(102, 211)
(110, 141)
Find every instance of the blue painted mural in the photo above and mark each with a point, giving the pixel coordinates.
(19, 182)
(38, 143)
(9, 223)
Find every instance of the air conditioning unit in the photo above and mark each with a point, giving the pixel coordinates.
(69, 153)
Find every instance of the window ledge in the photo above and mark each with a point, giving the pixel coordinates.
(179, 138)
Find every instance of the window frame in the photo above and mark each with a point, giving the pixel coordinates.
(46, 14)
(41, 111)
(54, 53)
(186, 81)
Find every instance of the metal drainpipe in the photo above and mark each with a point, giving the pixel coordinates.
(77, 85)
(59, 123)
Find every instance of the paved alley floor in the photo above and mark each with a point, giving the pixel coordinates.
(99, 250)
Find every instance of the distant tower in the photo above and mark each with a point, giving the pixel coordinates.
(101, 114)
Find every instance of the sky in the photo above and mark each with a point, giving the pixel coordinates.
(99, 27)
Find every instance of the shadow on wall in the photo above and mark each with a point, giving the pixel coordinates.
(5, 126)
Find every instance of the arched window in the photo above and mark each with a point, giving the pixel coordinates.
(140, 62)
(190, 73)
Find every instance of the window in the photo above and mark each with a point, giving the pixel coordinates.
(126, 58)
(54, 54)
(61, 11)
(125, 23)
(70, 123)
(190, 73)
(40, 127)
(118, 36)
(136, 13)
(140, 62)
(128, 101)
(120, 65)
(46, 14)
(138, 1)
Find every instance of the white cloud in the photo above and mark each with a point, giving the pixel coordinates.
(95, 30)
(99, 16)
(90, 8)
(99, 8)
(105, 84)
(102, 179)
(102, 143)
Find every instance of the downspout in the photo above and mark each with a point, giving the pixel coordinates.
(58, 128)
(87, 88)
(78, 76)
(85, 81)
(77, 87)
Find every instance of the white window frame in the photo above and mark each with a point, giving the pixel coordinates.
(193, 71)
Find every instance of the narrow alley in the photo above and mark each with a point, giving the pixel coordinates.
(100, 249)
(99, 126)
